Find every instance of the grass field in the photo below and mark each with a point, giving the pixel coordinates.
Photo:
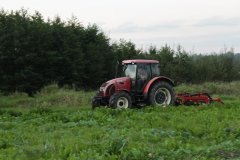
(59, 124)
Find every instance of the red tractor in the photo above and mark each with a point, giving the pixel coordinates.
(140, 83)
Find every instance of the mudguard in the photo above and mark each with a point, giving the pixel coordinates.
(154, 80)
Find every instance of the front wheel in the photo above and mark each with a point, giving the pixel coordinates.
(120, 100)
(162, 94)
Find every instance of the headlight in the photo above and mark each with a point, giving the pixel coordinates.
(103, 86)
(101, 89)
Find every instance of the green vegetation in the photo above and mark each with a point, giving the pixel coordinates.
(219, 88)
(35, 53)
(59, 124)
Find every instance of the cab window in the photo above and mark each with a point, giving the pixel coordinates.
(130, 71)
(155, 70)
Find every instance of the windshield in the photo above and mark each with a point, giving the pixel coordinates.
(129, 70)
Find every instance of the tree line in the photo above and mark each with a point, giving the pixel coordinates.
(35, 53)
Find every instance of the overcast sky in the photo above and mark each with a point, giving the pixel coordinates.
(198, 25)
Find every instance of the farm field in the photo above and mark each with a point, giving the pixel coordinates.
(59, 124)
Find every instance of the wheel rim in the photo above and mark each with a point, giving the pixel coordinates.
(122, 102)
(162, 97)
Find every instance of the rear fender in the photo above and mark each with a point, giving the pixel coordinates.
(153, 81)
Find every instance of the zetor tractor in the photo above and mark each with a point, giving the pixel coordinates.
(140, 83)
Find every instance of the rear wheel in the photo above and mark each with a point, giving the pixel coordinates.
(120, 100)
(162, 94)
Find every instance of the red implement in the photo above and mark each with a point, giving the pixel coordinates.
(192, 99)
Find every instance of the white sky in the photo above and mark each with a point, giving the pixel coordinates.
(198, 25)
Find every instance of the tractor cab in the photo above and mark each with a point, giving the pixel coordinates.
(140, 72)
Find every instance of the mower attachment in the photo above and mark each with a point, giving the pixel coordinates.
(194, 99)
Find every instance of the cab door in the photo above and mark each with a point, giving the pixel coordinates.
(143, 76)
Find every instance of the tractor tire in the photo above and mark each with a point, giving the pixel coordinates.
(162, 94)
(120, 100)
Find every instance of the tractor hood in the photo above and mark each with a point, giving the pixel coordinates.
(118, 80)
(122, 83)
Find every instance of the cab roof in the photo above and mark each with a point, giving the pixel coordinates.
(139, 61)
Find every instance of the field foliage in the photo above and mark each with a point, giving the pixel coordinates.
(59, 124)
